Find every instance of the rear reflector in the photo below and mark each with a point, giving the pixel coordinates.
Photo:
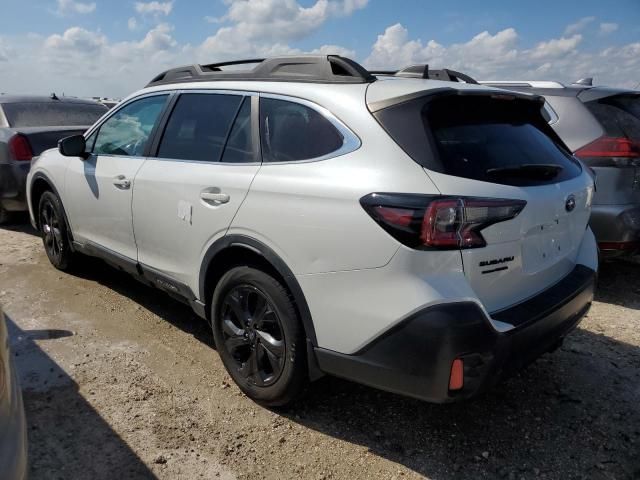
(19, 148)
(456, 378)
(435, 222)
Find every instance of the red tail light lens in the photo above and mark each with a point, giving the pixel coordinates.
(428, 222)
(610, 151)
(19, 148)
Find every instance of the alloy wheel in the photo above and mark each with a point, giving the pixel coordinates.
(50, 223)
(253, 335)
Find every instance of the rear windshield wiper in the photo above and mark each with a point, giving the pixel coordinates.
(537, 171)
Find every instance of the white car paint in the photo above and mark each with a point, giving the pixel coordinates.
(357, 280)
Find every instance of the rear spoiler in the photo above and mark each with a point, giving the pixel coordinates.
(448, 91)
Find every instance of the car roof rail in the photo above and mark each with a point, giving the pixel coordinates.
(423, 71)
(300, 68)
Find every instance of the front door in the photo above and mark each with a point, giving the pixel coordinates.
(98, 190)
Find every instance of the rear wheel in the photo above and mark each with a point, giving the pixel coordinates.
(259, 336)
(5, 216)
(54, 230)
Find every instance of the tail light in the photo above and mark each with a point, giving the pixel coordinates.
(610, 151)
(434, 222)
(19, 148)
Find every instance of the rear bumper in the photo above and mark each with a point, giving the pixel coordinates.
(414, 358)
(617, 229)
(13, 183)
(13, 434)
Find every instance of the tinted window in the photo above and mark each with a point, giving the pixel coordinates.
(493, 140)
(290, 132)
(50, 114)
(127, 131)
(239, 145)
(619, 115)
(199, 126)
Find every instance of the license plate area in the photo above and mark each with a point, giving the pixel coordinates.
(543, 245)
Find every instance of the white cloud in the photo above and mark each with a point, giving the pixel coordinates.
(76, 40)
(499, 56)
(607, 28)
(578, 26)
(253, 22)
(154, 8)
(395, 49)
(65, 7)
(79, 61)
(555, 47)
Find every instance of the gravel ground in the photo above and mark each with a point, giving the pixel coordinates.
(120, 381)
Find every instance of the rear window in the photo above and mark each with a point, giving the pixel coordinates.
(618, 115)
(505, 141)
(52, 114)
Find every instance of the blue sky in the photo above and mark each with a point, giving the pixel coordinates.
(109, 47)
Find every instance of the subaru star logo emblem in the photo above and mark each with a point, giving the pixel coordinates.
(570, 204)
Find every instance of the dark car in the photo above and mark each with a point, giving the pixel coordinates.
(602, 127)
(28, 126)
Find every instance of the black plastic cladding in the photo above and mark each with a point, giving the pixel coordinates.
(304, 68)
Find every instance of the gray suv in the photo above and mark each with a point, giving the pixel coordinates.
(602, 127)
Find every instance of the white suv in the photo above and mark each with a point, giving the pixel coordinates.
(421, 236)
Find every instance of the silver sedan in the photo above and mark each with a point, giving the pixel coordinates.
(13, 434)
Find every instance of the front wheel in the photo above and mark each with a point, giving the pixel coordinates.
(259, 337)
(54, 230)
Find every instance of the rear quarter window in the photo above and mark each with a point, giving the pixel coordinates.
(51, 114)
(504, 141)
(292, 132)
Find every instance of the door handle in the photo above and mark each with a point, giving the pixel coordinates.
(215, 197)
(122, 182)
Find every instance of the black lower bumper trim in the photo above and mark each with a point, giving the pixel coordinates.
(414, 358)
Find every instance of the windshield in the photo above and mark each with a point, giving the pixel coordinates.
(52, 114)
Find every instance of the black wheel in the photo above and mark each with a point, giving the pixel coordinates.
(54, 231)
(5, 216)
(259, 336)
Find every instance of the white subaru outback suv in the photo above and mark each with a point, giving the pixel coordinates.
(421, 236)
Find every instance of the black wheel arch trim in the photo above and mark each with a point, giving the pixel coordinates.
(42, 176)
(243, 241)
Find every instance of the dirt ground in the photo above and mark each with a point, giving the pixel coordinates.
(120, 382)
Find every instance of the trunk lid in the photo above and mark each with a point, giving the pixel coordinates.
(44, 138)
(529, 253)
(495, 145)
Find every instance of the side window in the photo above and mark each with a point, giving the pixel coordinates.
(198, 126)
(291, 131)
(126, 133)
(239, 145)
(548, 113)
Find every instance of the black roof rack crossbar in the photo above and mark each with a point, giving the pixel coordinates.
(423, 71)
(302, 68)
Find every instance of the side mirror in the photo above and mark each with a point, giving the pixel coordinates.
(74, 146)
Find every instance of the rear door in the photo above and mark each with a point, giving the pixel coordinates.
(187, 194)
(500, 147)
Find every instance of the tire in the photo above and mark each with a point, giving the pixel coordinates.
(55, 233)
(5, 216)
(259, 336)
